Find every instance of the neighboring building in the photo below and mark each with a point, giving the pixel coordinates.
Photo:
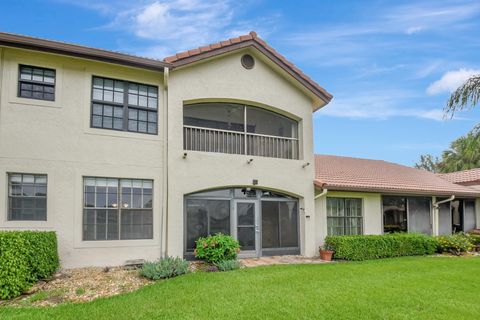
(132, 158)
(362, 196)
(470, 178)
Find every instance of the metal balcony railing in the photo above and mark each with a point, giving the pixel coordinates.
(234, 142)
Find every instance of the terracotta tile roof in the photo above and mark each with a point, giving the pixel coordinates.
(253, 40)
(355, 174)
(471, 176)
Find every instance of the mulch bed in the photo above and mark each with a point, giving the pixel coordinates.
(87, 284)
(81, 285)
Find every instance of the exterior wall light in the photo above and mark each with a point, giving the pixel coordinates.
(184, 155)
(305, 165)
(249, 161)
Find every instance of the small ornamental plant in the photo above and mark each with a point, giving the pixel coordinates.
(216, 248)
(456, 244)
(167, 267)
(228, 265)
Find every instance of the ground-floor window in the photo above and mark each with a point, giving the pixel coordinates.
(463, 215)
(27, 197)
(279, 224)
(344, 216)
(407, 214)
(260, 220)
(206, 217)
(117, 209)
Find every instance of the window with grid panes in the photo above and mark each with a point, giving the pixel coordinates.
(344, 216)
(36, 83)
(117, 209)
(123, 105)
(27, 197)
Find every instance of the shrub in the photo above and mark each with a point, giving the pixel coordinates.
(25, 257)
(456, 244)
(168, 267)
(475, 238)
(228, 265)
(217, 248)
(365, 247)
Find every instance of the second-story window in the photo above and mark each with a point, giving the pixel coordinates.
(239, 129)
(123, 105)
(36, 83)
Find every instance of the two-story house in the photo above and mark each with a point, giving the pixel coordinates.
(131, 158)
(134, 158)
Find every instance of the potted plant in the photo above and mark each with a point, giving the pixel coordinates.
(326, 252)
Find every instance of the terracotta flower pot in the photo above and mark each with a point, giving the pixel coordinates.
(326, 255)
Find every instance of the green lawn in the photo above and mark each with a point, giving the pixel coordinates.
(403, 288)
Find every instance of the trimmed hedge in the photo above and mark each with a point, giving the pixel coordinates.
(366, 247)
(25, 257)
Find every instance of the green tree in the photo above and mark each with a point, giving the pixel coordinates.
(428, 162)
(463, 154)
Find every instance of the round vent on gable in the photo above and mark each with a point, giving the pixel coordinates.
(247, 61)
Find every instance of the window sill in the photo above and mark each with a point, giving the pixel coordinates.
(122, 134)
(117, 243)
(26, 224)
(35, 102)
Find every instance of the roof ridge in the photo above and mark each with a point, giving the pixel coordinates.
(350, 157)
(457, 172)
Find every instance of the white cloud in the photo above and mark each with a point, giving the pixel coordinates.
(171, 26)
(451, 80)
(365, 39)
(380, 105)
(412, 30)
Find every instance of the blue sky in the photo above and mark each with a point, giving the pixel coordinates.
(391, 65)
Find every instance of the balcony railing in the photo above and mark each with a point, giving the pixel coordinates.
(234, 142)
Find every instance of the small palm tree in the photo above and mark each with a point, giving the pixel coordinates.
(466, 96)
(464, 153)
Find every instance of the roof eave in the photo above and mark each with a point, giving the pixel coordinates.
(472, 194)
(36, 44)
(324, 96)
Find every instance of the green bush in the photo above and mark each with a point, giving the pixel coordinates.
(25, 257)
(366, 247)
(217, 248)
(168, 267)
(475, 238)
(456, 244)
(228, 265)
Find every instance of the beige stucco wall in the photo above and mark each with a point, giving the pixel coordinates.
(371, 206)
(55, 138)
(224, 79)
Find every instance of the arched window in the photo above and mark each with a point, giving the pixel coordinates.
(239, 129)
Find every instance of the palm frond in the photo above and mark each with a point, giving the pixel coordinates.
(466, 96)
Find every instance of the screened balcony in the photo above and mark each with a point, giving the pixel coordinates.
(239, 129)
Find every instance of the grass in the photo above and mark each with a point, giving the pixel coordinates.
(402, 288)
(42, 295)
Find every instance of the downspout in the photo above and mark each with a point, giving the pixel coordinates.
(166, 73)
(323, 193)
(436, 204)
(1, 73)
(436, 213)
